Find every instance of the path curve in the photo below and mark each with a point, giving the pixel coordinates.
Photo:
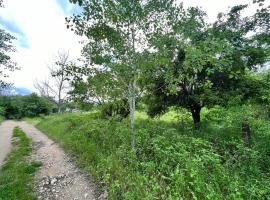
(58, 178)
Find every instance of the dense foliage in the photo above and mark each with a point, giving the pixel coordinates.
(172, 159)
(17, 107)
(169, 54)
(208, 62)
(265, 90)
(115, 109)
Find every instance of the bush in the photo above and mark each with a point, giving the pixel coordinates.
(117, 108)
(35, 105)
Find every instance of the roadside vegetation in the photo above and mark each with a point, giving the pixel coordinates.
(201, 89)
(16, 176)
(1, 118)
(173, 106)
(173, 159)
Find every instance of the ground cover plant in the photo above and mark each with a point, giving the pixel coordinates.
(173, 160)
(16, 176)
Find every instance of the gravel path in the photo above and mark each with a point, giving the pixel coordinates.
(6, 129)
(58, 178)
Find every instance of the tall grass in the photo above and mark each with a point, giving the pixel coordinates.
(172, 159)
(1, 119)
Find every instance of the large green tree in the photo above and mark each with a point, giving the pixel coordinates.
(202, 62)
(117, 33)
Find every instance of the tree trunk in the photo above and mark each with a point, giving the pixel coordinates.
(132, 103)
(59, 106)
(196, 114)
(268, 112)
(59, 95)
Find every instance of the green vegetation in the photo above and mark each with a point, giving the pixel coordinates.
(2, 112)
(16, 176)
(1, 118)
(16, 107)
(168, 55)
(172, 159)
(206, 81)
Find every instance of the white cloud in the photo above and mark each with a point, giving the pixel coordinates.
(43, 22)
(213, 7)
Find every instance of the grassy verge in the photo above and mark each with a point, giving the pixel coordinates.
(16, 176)
(33, 121)
(1, 119)
(172, 160)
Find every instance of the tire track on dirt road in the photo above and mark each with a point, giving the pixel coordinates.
(58, 178)
(6, 129)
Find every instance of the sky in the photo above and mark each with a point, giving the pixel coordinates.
(40, 29)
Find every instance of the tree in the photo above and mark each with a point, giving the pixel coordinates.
(33, 105)
(186, 58)
(95, 88)
(5, 61)
(60, 86)
(202, 62)
(43, 87)
(117, 36)
(57, 85)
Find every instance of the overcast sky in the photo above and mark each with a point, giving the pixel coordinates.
(40, 29)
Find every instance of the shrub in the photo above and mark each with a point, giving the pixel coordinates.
(117, 108)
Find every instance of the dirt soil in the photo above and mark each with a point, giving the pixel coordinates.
(6, 129)
(58, 178)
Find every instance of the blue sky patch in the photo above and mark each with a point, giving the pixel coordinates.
(63, 4)
(23, 42)
(69, 8)
(16, 31)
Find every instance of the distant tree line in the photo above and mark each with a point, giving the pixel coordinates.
(17, 107)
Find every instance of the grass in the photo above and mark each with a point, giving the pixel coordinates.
(1, 119)
(16, 176)
(172, 159)
(33, 121)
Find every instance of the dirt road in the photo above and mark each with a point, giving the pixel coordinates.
(6, 129)
(58, 178)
